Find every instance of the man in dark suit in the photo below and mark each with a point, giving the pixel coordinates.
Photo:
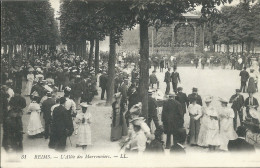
(244, 77)
(251, 102)
(240, 144)
(46, 109)
(152, 110)
(18, 80)
(183, 99)
(175, 79)
(123, 90)
(167, 79)
(195, 95)
(172, 118)
(196, 62)
(161, 65)
(61, 125)
(181, 138)
(103, 84)
(237, 101)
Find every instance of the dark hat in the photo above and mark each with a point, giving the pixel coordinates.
(194, 89)
(18, 102)
(62, 100)
(238, 90)
(179, 88)
(49, 94)
(241, 131)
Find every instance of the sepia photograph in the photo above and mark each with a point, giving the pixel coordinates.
(130, 83)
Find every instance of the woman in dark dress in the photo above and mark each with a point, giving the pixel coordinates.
(13, 126)
(118, 127)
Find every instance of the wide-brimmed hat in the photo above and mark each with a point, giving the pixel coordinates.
(31, 69)
(137, 121)
(84, 104)
(38, 69)
(117, 95)
(208, 99)
(223, 100)
(136, 109)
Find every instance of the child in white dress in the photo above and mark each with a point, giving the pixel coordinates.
(83, 119)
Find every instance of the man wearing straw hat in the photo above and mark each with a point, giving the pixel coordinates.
(172, 118)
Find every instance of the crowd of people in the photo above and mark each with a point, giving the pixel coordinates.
(48, 78)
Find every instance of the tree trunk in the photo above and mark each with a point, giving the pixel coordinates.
(69, 48)
(253, 47)
(15, 49)
(84, 51)
(5, 49)
(26, 51)
(248, 46)
(212, 48)
(90, 59)
(37, 49)
(144, 69)
(228, 49)
(242, 52)
(74, 48)
(97, 57)
(10, 57)
(111, 70)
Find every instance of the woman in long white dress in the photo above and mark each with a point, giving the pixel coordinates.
(212, 134)
(29, 84)
(204, 123)
(35, 126)
(84, 119)
(227, 132)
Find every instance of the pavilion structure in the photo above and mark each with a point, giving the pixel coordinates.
(189, 19)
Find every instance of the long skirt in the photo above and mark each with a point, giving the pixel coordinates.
(35, 126)
(28, 88)
(203, 131)
(251, 85)
(194, 130)
(227, 132)
(212, 135)
(118, 130)
(84, 135)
